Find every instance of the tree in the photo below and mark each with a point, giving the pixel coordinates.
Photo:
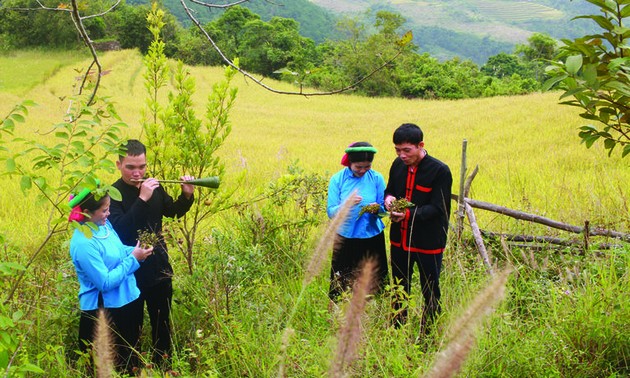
(266, 47)
(595, 71)
(540, 46)
(540, 49)
(178, 140)
(503, 65)
(363, 56)
(386, 59)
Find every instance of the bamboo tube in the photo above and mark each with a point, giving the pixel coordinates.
(206, 182)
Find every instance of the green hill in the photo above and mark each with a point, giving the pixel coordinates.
(316, 22)
(469, 29)
(475, 29)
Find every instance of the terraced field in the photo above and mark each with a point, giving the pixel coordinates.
(516, 11)
(499, 19)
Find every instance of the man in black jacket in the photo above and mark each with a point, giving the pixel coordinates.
(418, 234)
(144, 203)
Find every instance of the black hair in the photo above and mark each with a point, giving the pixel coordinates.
(91, 204)
(357, 157)
(408, 133)
(133, 147)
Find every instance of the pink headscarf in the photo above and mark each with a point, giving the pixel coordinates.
(76, 214)
(345, 160)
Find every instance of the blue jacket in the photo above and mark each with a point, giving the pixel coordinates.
(371, 187)
(105, 265)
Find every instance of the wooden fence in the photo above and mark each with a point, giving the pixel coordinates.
(465, 207)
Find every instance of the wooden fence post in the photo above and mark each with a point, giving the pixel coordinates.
(481, 247)
(461, 210)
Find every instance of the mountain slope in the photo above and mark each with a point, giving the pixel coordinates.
(476, 29)
(469, 29)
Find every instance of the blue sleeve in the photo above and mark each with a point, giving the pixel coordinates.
(334, 196)
(91, 262)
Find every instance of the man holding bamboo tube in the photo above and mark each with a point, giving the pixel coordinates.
(144, 204)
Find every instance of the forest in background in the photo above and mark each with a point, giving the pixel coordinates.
(468, 29)
(276, 48)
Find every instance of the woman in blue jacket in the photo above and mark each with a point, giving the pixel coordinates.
(105, 269)
(361, 236)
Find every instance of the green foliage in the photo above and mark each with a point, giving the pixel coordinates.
(412, 75)
(12, 326)
(71, 158)
(540, 49)
(267, 47)
(503, 65)
(179, 141)
(595, 71)
(239, 296)
(347, 61)
(155, 78)
(563, 317)
(127, 24)
(36, 28)
(276, 48)
(262, 47)
(17, 115)
(76, 151)
(12, 362)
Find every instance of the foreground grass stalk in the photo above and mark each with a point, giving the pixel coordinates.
(349, 334)
(314, 268)
(450, 360)
(103, 353)
(325, 242)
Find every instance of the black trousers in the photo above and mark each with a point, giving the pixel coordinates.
(429, 267)
(347, 257)
(158, 299)
(125, 333)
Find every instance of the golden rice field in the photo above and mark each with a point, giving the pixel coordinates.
(526, 147)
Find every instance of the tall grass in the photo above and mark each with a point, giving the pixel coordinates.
(526, 147)
(238, 315)
(19, 79)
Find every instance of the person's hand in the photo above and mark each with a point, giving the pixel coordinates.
(147, 188)
(187, 189)
(374, 208)
(141, 253)
(357, 199)
(396, 217)
(388, 202)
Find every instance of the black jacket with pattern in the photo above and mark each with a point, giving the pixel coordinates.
(428, 186)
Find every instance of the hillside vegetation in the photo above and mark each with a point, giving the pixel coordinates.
(468, 29)
(246, 310)
(475, 29)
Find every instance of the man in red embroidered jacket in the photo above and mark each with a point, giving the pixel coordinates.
(418, 234)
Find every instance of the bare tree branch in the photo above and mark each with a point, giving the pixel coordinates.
(277, 91)
(78, 23)
(77, 19)
(223, 6)
(104, 12)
